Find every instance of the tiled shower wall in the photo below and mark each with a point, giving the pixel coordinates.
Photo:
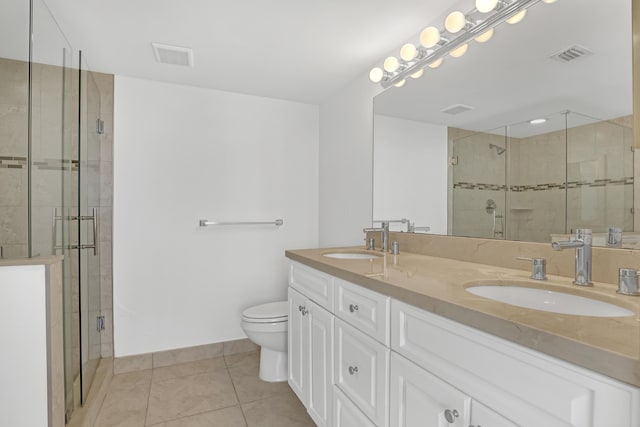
(46, 168)
(599, 174)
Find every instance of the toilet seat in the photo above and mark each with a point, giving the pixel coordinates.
(273, 312)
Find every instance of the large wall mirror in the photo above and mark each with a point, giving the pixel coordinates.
(455, 150)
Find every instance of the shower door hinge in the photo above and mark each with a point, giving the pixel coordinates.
(453, 160)
(99, 126)
(100, 323)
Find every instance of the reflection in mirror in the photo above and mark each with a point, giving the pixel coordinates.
(435, 160)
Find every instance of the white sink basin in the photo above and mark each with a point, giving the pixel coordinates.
(351, 255)
(555, 302)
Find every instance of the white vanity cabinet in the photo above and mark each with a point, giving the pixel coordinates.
(360, 359)
(310, 341)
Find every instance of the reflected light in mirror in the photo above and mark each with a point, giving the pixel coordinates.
(455, 22)
(391, 64)
(549, 1)
(400, 83)
(429, 37)
(485, 6)
(408, 52)
(417, 74)
(457, 53)
(485, 37)
(436, 63)
(517, 17)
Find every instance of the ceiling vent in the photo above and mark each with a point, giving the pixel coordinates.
(574, 52)
(175, 55)
(457, 109)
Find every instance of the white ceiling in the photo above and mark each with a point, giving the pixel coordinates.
(301, 50)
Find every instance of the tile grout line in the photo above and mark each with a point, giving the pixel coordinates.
(233, 384)
(146, 413)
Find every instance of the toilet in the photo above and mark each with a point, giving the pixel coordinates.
(266, 325)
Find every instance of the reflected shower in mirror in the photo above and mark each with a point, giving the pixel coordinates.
(465, 134)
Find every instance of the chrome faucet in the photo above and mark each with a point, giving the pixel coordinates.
(582, 244)
(384, 232)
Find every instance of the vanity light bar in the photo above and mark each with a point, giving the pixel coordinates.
(471, 29)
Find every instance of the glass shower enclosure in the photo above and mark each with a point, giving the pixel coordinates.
(50, 172)
(532, 182)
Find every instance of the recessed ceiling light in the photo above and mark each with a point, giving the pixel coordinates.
(537, 121)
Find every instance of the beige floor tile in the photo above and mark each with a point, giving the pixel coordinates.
(123, 382)
(278, 411)
(183, 396)
(227, 417)
(244, 369)
(125, 405)
(187, 369)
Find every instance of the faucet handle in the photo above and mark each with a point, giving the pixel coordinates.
(628, 281)
(538, 267)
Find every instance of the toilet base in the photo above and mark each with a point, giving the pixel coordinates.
(273, 365)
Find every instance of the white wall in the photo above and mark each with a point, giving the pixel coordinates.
(182, 154)
(346, 161)
(23, 360)
(410, 172)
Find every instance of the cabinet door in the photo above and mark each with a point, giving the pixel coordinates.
(362, 371)
(321, 363)
(481, 416)
(346, 414)
(420, 399)
(298, 347)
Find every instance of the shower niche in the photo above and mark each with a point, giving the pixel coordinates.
(542, 179)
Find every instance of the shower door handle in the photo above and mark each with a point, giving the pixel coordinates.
(94, 223)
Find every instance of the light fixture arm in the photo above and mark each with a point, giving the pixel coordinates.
(503, 12)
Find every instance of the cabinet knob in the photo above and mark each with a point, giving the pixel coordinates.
(353, 308)
(301, 308)
(451, 415)
(353, 370)
(304, 311)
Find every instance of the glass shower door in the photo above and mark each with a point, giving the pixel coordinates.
(479, 184)
(91, 322)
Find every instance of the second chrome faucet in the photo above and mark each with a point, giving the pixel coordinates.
(581, 242)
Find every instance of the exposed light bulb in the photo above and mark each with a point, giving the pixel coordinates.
(517, 17)
(376, 74)
(429, 37)
(455, 22)
(408, 52)
(418, 74)
(485, 6)
(537, 121)
(458, 52)
(485, 37)
(400, 83)
(391, 64)
(549, 1)
(436, 63)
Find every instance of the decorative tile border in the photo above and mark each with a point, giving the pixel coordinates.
(544, 187)
(13, 162)
(19, 162)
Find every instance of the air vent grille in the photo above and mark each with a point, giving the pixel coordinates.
(456, 109)
(175, 55)
(572, 53)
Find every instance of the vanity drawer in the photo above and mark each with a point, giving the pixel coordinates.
(362, 371)
(346, 414)
(365, 309)
(315, 285)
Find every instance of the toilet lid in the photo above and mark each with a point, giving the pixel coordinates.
(270, 312)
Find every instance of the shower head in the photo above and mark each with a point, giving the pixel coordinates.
(499, 149)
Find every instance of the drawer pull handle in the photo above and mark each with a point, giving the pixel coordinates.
(353, 308)
(353, 370)
(450, 415)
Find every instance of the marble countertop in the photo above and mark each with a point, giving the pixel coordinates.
(610, 346)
